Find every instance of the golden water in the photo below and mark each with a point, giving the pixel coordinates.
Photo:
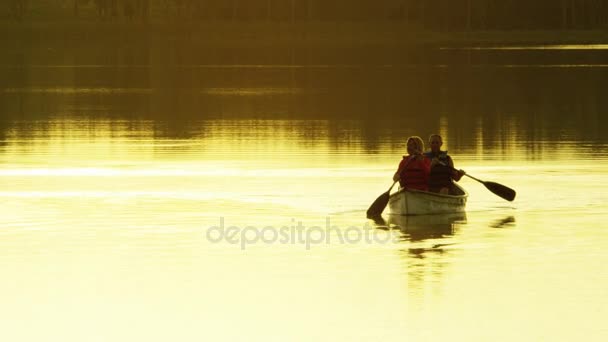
(105, 237)
(115, 181)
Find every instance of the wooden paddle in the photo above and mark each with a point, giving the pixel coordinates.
(498, 189)
(380, 203)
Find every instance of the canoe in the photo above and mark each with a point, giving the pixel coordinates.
(416, 202)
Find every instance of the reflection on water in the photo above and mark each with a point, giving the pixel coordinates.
(539, 47)
(113, 171)
(422, 227)
(504, 223)
(72, 91)
(121, 207)
(551, 100)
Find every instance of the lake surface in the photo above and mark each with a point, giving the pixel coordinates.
(122, 171)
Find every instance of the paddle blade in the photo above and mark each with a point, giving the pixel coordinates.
(500, 190)
(378, 206)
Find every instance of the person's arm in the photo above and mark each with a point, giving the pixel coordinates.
(456, 174)
(397, 176)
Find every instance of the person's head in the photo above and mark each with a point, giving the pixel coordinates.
(415, 145)
(435, 141)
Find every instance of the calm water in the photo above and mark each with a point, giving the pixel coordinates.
(117, 168)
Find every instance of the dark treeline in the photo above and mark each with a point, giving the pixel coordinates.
(425, 14)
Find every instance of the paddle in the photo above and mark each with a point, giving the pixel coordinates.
(498, 189)
(380, 203)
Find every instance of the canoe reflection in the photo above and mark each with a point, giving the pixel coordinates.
(421, 227)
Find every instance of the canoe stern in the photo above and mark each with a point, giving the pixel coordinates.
(414, 202)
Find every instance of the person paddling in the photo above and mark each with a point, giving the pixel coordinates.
(414, 169)
(442, 173)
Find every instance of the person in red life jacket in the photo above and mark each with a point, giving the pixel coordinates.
(414, 169)
(442, 173)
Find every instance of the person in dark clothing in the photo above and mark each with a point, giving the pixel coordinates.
(442, 173)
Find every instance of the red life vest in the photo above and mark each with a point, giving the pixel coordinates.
(414, 173)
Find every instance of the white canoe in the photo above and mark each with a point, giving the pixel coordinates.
(416, 202)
